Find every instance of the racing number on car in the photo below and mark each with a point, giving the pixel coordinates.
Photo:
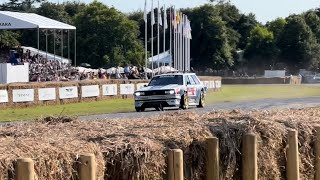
(192, 91)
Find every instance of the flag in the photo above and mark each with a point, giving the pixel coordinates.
(178, 18)
(152, 15)
(185, 28)
(189, 30)
(160, 17)
(180, 26)
(174, 19)
(145, 15)
(165, 22)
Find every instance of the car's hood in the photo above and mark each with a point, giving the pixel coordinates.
(167, 87)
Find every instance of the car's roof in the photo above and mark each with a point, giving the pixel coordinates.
(176, 73)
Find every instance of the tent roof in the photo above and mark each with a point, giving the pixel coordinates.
(164, 57)
(17, 20)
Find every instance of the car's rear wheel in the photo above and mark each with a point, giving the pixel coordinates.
(140, 109)
(202, 100)
(184, 103)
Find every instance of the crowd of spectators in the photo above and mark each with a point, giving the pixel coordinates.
(42, 70)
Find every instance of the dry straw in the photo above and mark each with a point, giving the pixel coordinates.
(136, 148)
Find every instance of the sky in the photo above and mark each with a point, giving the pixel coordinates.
(265, 10)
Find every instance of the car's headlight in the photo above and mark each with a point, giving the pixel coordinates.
(139, 93)
(170, 92)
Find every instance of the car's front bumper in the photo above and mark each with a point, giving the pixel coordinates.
(156, 101)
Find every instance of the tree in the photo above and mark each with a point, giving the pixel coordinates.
(298, 44)
(276, 26)
(54, 11)
(107, 37)
(211, 39)
(261, 50)
(8, 39)
(244, 26)
(20, 5)
(313, 21)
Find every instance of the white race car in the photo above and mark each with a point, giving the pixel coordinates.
(171, 90)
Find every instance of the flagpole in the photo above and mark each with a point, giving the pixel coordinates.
(174, 37)
(170, 36)
(181, 44)
(189, 53)
(158, 36)
(146, 38)
(164, 28)
(152, 23)
(178, 43)
(185, 43)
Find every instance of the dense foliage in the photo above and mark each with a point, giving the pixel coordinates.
(107, 37)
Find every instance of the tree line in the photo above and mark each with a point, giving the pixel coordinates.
(223, 37)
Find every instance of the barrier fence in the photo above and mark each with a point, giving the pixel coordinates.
(86, 169)
(17, 95)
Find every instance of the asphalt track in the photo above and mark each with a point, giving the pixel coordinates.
(265, 104)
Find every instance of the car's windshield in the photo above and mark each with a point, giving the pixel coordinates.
(166, 80)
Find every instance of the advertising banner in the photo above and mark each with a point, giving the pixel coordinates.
(109, 90)
(141, 85)
(23, 95)
(68, 92)
(218, 84)
(126, 89)
(212, 84)
(4, 96)
(90, 91)
(47, 94)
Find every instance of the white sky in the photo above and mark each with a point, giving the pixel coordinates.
(265, 10)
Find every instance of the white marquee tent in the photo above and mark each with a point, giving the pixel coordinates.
(16, 20)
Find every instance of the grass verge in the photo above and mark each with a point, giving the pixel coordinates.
(227, 94)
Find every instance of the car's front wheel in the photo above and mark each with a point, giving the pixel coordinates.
(202, 100)
(140, 109)
(184, 103)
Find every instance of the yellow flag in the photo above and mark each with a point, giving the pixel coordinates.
(178, 18)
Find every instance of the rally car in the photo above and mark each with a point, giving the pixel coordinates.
(171, 90)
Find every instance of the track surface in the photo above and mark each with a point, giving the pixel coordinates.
(267, 104)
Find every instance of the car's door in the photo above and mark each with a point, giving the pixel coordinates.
(198, 85)
(192, 89)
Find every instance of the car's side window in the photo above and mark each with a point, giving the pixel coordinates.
(195, 79)
(192, 82)
(186, 79)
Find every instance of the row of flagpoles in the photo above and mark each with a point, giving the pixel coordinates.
(180, 35)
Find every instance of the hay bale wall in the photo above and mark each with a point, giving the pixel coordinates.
(136, 148)
(78, 84)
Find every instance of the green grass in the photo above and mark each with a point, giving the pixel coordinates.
(235, 93)
(227, 94)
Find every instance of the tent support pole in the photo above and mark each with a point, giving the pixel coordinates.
(47, 44)
(68, 44)
(75, 48)
(61, 44)
(54, 44)
(38, 40)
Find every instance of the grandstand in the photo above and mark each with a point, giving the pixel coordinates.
(47, 55)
